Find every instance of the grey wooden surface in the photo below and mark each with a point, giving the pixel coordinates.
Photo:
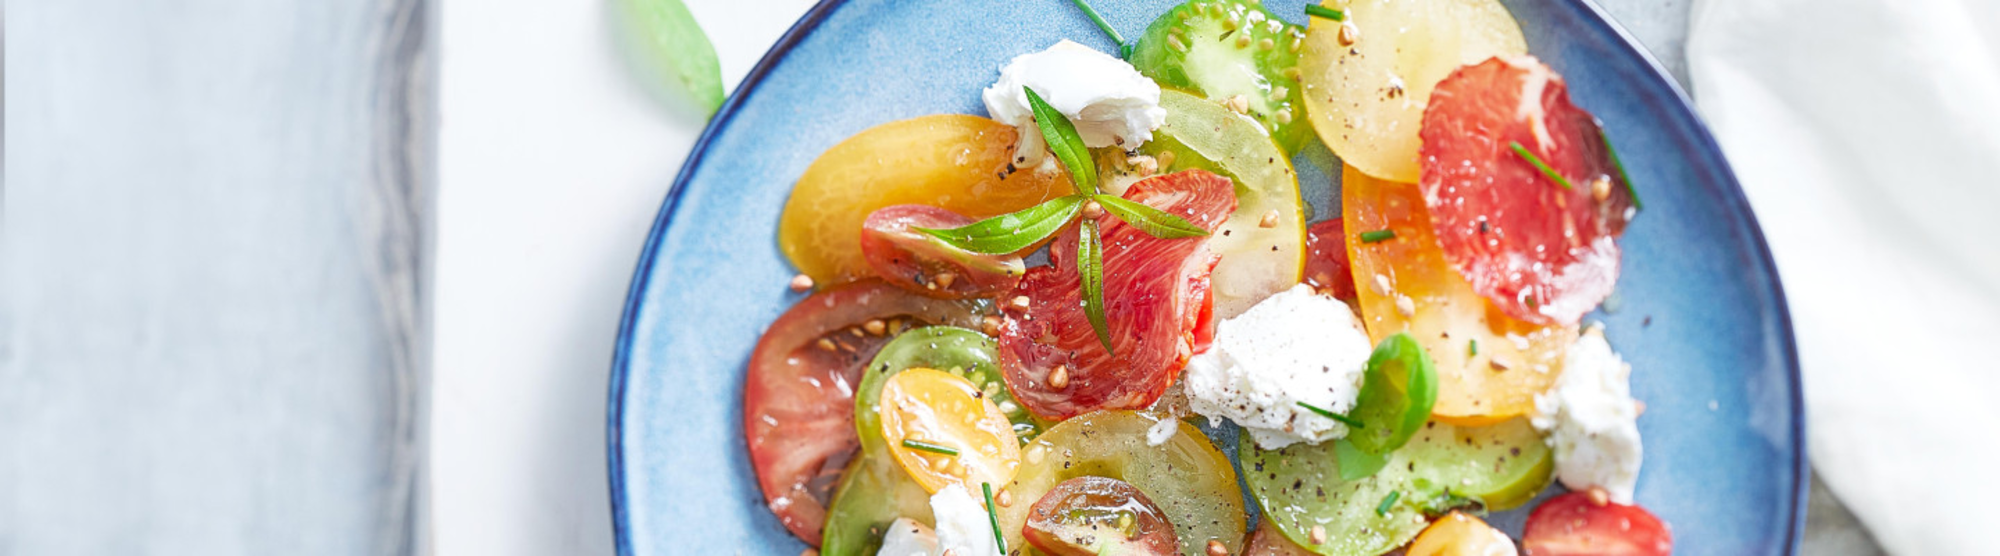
(212, 315)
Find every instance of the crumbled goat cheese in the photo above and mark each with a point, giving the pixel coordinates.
(1592, 420)
(1106, 98)
(1296, 346)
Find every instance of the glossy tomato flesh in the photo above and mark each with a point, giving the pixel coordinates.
(1086, 516)
(1574, 525)
(1327, 268)
(1157, 305)
(798, 396)
(1540, 251)
(922, 263)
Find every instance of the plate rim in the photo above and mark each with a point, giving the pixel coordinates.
(621, 363)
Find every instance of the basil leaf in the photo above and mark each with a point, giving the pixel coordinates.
(675, 45)
(1397, 393)
(1156, 222)
(1355, 464)
(1063, 140)
(1014, 231)
(1090, 267)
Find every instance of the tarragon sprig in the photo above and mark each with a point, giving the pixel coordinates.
(1018, 230)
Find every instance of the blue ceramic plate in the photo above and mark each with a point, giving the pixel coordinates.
(1702, 317)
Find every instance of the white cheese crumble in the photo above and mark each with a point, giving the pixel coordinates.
(1592, 420)
(906, 537)
(962, 524)
(1162, 431)
(1296, 346)
(1106, 98)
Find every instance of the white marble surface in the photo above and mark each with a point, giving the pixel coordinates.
(211, 324)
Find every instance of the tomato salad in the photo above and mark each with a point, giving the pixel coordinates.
(1015, 320)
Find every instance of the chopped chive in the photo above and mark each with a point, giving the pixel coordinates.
(1472, 349)
(994, 517)
(1539, 165)
(1326, 12)
(929, 447)
(1344, 420)
(1622, 176)
(1388, 502)
(1384, 234)
(1124, 50)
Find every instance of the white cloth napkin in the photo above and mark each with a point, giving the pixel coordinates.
(1867, 135)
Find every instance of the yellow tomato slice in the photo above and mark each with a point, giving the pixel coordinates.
(1458, 534)
(1368, 78)
(953, 161)
(1406, 285)
(943, 430)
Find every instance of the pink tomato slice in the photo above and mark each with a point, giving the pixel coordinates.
(922, 263)
(1575, 525)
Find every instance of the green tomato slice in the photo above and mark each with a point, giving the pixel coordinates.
(1396, 395)
(874, 490)
(1442, 468)
(1257, 261)
(1227, 49)
(1193, 484)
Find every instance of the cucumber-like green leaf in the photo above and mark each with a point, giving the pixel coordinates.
(676, 46)
(1064, 141)
(1155, 222)
(1397, 393)
(1013, 231)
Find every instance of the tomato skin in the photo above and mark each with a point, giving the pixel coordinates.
(1268, 541)
(1573, 525)
(1157, 304)
(924, 264)
(1457, 534)
(1541, 252)
(1082, 517)
(1327, 267)
(798, 405)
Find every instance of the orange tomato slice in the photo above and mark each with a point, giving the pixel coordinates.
(943, 430)
(953, 161)
(1405, 284)
(1458, 534)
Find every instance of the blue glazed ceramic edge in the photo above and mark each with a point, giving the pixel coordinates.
(645, 268)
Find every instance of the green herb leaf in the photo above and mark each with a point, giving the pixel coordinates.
(1388, 502)
(674, 45)
(1472, 349)
(1090, 267)
(929, 447)
(1323, 11)
(1014, 231)
(1355, 464)
(1327, 413)
(1377, 236)
(1539, 165)
(1124, 49)
(1063, 140)
(1397, 393)
(993, 517)
(1622, 176)
(1155, 222)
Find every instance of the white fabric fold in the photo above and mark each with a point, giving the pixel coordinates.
(1867, 136)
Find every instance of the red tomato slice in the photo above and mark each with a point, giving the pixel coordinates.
(1573, 525)
(1541, 252)
(922, 263)
(798, 397)
(1156, 297)
(1326, 260)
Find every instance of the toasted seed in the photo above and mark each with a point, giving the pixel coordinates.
(1600, 188)
(1598, 496)
(1215, 548)
(828, 345)
(1059, 378)
(1406, 306)
(1318, 535)
(1270, 219)
(1021, 302)
(876, 327)
(1349, 34)
(944, 279)
(802, 283)
(990, 325)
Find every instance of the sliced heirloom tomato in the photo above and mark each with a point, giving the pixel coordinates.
(798, 395)
(1457, 534)
(944, 431)
(922, 263)
(1091, 516)
(1367, 77)
(875, 489)
(1193, 484)
(1490, 366)
(1443, 468)
(1227, 50)
(1541, 248)
(1267, 541)
(1573, 525)
(1327, 268)
(1156, 303)
(953, 161)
